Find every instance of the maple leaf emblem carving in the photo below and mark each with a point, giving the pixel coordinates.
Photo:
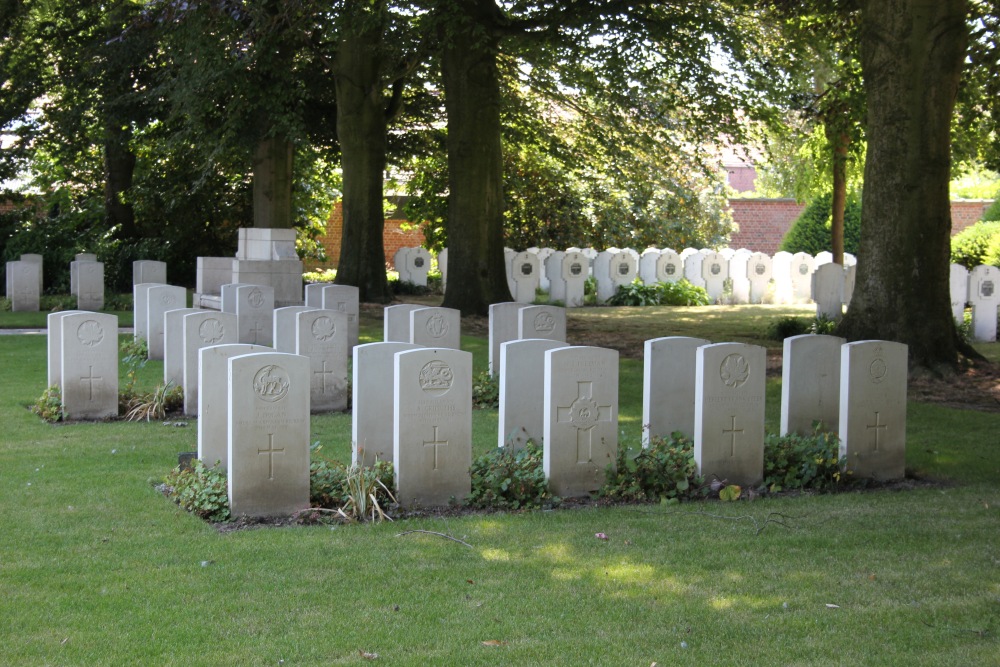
(734, 371)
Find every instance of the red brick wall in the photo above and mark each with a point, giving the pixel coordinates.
(393, 237)
(763, 222)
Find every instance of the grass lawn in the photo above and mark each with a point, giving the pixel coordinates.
(96, 567)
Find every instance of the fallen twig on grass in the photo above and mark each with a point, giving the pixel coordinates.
(431, 532)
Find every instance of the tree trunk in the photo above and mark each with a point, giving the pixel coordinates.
(912, 52)
(839, 142)
(272, 183)
(361, 131)
(476, 269)
(119, 168)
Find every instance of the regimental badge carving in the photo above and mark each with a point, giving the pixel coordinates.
(211, 331)
(323, 329)
(670, 269)
(760, 269)
(90, 333)
(878, 369)
(271, 383)
(436, 377)
(734, 371)
(545, 322)
(716, 269)
(167, 299)
(803, 269)
(437, 326)
(986, 289)
(418, 262)
(623, 269)
(527, 269)
(256, 298)
(576, 268)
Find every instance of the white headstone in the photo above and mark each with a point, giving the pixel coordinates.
(503, 324)
(984, 294)
(543, 278)
(729, 412)
(419, 264)
(314, 294)
(547, 322)
(554, 276)
(90, 285)
(668, 386)
(372, 401)
(828, 290)
(575, 271)
(849, 259)
(40, 261)
(810, 383)
(346, 299)
(400, 260)
(173, 345)
(396, 322)
(873, 408)
(436, 327)
(802, 267)
(669, 267)
(140, 310)
(850, 273)
(714, 272)
(692, 268)
(227, 295)
(602, 274)
(322, 337)
(89, 362)
(647, 265)
(739, 283)
(781, 272)
(522, 375)
(160, 299)
(22, 286)
(959, 286)
(580, 426)
(285, 335)
(823, 257)
(213, 399)
(74, 270)
(758, 275)
(442, 259)
(432, 426)
(149, 271)
(255, 314)
(203, 328)
(525, 273)
(268, 439)
(54, 347)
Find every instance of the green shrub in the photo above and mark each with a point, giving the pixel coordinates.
(803, 462)
(486, 391)
(786, 327)
(320, 276)
(663, 471)
(357, 492)
(49, 405)
(200, 490)
(326, 484)
(971, 245)
(992, 254)
(680, 293)
(636, 293)
(509, 479)
(811, 230)
(992, 212)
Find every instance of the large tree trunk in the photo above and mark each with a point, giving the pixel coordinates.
(272, 183)
(476, 269)
(839, 142)
(912, 53)
(119, 168)
(361, 131)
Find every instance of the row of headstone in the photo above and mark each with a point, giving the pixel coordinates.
(714, 393)
(980, 288)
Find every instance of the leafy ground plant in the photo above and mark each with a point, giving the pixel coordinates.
(509, 478)
(200, 490)
(795, 461)
(165, 398)
(49, 405)
(663, 471)
(485, 391)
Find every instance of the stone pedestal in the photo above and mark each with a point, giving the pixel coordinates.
(264, 257)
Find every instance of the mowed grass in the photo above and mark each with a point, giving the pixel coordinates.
(98, 568)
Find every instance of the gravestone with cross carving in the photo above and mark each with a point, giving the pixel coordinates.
(346, 299)
(436, 327)
(580, 423)
(547, 322)
(984, 294)
(810, 382)
(89, 365)
(372, 401)
(255, 314)
(160, 299)
(575, 271)
(668, 386)
(872, 422)
(522, 375)
(729, 412)
(322, 336)
(268, 435)
(202, 328)
(432, 426)
(213, 399)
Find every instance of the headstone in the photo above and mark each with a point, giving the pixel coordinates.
(149, 271)
(504, 325)
(849, 259)
(850, 273)
(268, 439)
(285, 336)
(322, 337)
(575, 271)
(739, 283)
(89, 361)
(873, 408)
(802, 267)
(554, 276)
(314, 294)
(213, 399)
(613, 271)
(580, 425)
(396, 322)
(432, 426)
(419, 264)
(714, 272)
(255, 314)
(823, 257)
(372, 401)
(759, 276)
(543, 278)
(526, 268)
(984, 294)
(508, 259)
(90, 286)
(647, 265)
(828, 290)
(547, 322)
(140, 310)
(173, 345)
(436, 327)
(669, 267)
(668, 386)
(729, 412)
(228, 294)
(74, 268)
(346, 299)
(692, 268)
(22, 286)
(40, 261)
(160, 299)
(442, 259)
(54, 347)
(810, 383)
(602, 274)
(522, 375)
(202, 328)
(400, 261)
(959, 286)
